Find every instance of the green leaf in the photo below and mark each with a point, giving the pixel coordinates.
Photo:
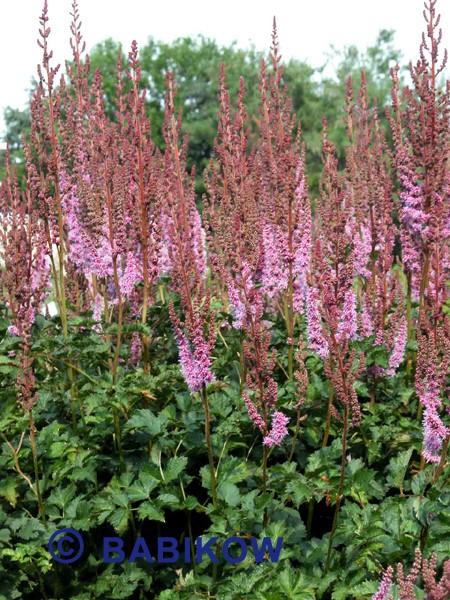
(228, 492)
(294, 586)
(397, 469)
(378, 356)
(8, 490)
(191, 502)
(147, 510)
(5, 536)
(174, 467)
(299, 490)
(6, 365)
(169, 500)
(145, 420)
(119, 519)
(419, 483)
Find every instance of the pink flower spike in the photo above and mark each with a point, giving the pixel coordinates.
(238, 309)
(385, 585)
(198, 242)
(362, 246)
(347, 325)
(399, 348)
(195, 360)
(278, 430)
(434, 434)
(366, 326)
(253, 413)
(130, 275)
(274, 274)
(316, 340)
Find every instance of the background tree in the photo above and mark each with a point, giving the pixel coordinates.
(195, 63)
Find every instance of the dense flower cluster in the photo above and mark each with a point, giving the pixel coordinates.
(306, 305)
(108, 223)
(435, 588)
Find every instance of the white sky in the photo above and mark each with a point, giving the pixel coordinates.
(307, 28)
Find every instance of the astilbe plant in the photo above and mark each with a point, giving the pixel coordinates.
(252, 235)
(110, 220)
(284, 224)
(251, 239)
(186, 254)
(143, 184)
(44, 161)
(331, 304)
(262, 195)
(420, 128)
(24, 286)
(95, 182)
(422, 570)
(110, 185)
(231, 210)
(24, 254)
(105, 211)
(285, 214)
(285, 210)
(108, 177)
(186, 257)
(379, 289)
(433, 362)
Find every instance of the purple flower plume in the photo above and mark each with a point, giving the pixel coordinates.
(130, 275)
(434, 430)
(385, 585)
(302, 242)
(366, 323)
(253, 413)
(398, 350)
(274, 276)
(278, 430)
(348, 323)
(362, 246)
(316, 340)
(195, 360)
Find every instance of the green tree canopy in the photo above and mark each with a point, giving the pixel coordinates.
(196, 62)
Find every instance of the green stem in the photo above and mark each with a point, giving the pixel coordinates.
(118, 438)
(118, 342)
(410, 330)
(310, 517)
(209, 447)
(340, 488)
(442, 462)
(119, 319)
(294, 439)
(264, 481)
(289, 319)
(36, 466)
(73, 410)
(290, 361)
(241, 366)
(191, 539)
(326, 433)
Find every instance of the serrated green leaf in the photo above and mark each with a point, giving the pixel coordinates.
(147, 510)
(397, 469)
(228, 492)
(8, 490)
(174, 467)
